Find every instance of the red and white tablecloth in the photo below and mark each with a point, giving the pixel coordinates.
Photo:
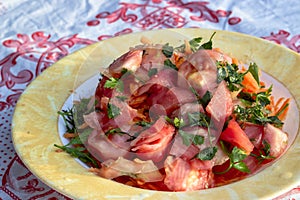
(34, 34)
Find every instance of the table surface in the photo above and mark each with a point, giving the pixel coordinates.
(36, 33)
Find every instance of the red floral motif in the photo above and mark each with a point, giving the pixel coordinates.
(125, 31)
(282, 37)
(294, 192)
(25, 186)
(31, 186)
(163, 16)
(40, 51)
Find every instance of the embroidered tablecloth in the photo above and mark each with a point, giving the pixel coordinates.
(34, 34)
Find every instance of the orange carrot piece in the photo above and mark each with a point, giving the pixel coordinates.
(271, 106)
(70, 135)
(283, 113)
(250, 84)
(235, 61)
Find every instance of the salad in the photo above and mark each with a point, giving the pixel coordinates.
(177, 119)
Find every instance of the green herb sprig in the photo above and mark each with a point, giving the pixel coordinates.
(236, 157)
(207, 153)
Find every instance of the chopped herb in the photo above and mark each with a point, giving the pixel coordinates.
(246, 98)
(81, 138)
(176, 122)
(120, 132)
(253, 69)
(229, 73)
(68, 117)
(112, 131)
(207, 153)
(256, 114)
(85, 134)
(236, 157)
(208, 45)
(262, 99)
(266, 148)
(194, 45)
(113, 111)
(190, 138)
(143, 123)
(114, 83)
(194, 92)
(167, 50)
(80, 153)
(255, 109)
(111, 83)
(78, 110)
(206, 98)
(264, 153)
(241, 166)
(124, 71)
(75, 140)
(152, 72)
(198, 119)
(168, 63)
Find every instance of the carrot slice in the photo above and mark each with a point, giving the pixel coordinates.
(70, 135)
(250, 84)
(284, 108)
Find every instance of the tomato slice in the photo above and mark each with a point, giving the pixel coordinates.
(235, 135)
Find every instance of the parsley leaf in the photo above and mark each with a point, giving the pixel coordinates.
(198, 119)
(68, 117)
(113, 131)
(120, 132)
(266, 147)
(194, 45)
(264, 153)
(114, 83)
(206, 98)
(190, 138)
(143, 123)
(167, 50)
(230, 74)
(111, 83)
(255, 109)
(253, 69)
(208, 45)
(85, 134)
(168, 63)
(256, 114)
(263, 97)
(152, 72)
(207, 153)
(178, 123)
(113, 111)
(241, 166)
(80, 153)
(236, 157)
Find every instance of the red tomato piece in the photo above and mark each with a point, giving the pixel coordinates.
(182, 175)
(235, 135)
